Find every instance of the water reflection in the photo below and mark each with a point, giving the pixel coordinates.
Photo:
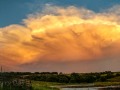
(93, 88)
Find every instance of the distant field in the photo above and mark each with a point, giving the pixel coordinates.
(115, 79)
(107, 83)
(38, 85)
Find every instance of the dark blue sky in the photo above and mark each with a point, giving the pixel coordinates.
(13, 11)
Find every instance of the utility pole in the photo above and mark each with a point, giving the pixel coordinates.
(1, 69)
(1, 79)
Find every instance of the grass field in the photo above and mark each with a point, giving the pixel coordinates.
(38, 85)
(115, 79)
(107, 83)
(110, 82)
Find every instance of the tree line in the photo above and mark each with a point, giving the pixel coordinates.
(73, 77)
(62, 77)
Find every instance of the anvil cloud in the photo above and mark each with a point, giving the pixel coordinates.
(63, 39)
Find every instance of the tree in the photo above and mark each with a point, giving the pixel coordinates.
(74, 78)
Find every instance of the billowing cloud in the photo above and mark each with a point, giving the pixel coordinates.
(64, 36)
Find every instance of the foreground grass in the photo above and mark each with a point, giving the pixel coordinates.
(38, 85)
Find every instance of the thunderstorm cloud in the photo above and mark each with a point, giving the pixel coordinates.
(63, 39)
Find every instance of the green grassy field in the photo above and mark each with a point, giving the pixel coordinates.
(115, 79)
(38, 85)
(110, 82)
(107, 83)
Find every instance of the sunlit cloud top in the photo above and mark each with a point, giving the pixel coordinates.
(62, 34)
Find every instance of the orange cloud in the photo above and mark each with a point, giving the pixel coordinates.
(62, 35)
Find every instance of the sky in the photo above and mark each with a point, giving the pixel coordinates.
(60, 35)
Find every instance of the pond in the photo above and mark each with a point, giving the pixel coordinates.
(93, 88)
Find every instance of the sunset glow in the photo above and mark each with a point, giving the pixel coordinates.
(61, 35)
